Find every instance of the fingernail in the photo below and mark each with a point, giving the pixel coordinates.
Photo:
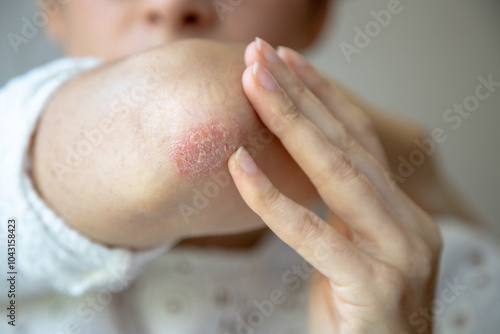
(245, 161)
(265, 78)
(296, 57)
(267, 51)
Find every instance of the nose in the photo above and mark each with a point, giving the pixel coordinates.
(180, 14)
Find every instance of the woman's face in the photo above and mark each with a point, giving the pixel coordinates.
(115, 28)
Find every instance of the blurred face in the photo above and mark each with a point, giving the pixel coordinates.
(115, 28)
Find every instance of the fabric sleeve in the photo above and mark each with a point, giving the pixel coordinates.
(50, 255)
(467, 298)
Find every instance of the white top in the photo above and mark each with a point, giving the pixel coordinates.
(66, 283)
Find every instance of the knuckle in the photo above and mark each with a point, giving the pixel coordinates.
(363, 126)
(391, 281)
(271, 198)
(418, 260)
(290, 110)
(426, 261)
(311, 229)
(339, 164)
(344, 167)
(312, 226)
(423, 267)
(299, 89)
(349, 144)
(391, 182)
(321, 85)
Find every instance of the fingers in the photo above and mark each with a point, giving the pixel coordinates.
(347, 112)
(298, 93)
(359, 125)
(301, 106)
(319, 243)
(315, 110)
(346, 190)
(332, 102)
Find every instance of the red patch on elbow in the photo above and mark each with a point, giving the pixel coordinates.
(204, 148)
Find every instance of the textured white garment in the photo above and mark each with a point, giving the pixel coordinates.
(468, 294)
(69, 284)
(51, 254)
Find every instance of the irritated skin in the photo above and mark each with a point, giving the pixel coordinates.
(206, 147)
(178, 118)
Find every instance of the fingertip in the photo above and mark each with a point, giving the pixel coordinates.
(283, 53)
(245, 173)
(251, 53)
(231, 163)
(281, 50)
(245, 161)
(242, 162)
(248, 79)
(292, 57)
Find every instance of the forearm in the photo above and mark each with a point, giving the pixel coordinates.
(108, 151)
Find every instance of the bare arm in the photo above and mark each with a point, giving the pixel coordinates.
(115, 149)
(111, 153)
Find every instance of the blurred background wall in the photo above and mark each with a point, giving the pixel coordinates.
(418, 63)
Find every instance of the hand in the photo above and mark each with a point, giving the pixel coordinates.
(425, 184)
(382, 268)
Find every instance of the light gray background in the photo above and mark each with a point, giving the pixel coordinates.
(424, 61)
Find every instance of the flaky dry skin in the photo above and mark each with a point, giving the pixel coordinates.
(206, 147)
